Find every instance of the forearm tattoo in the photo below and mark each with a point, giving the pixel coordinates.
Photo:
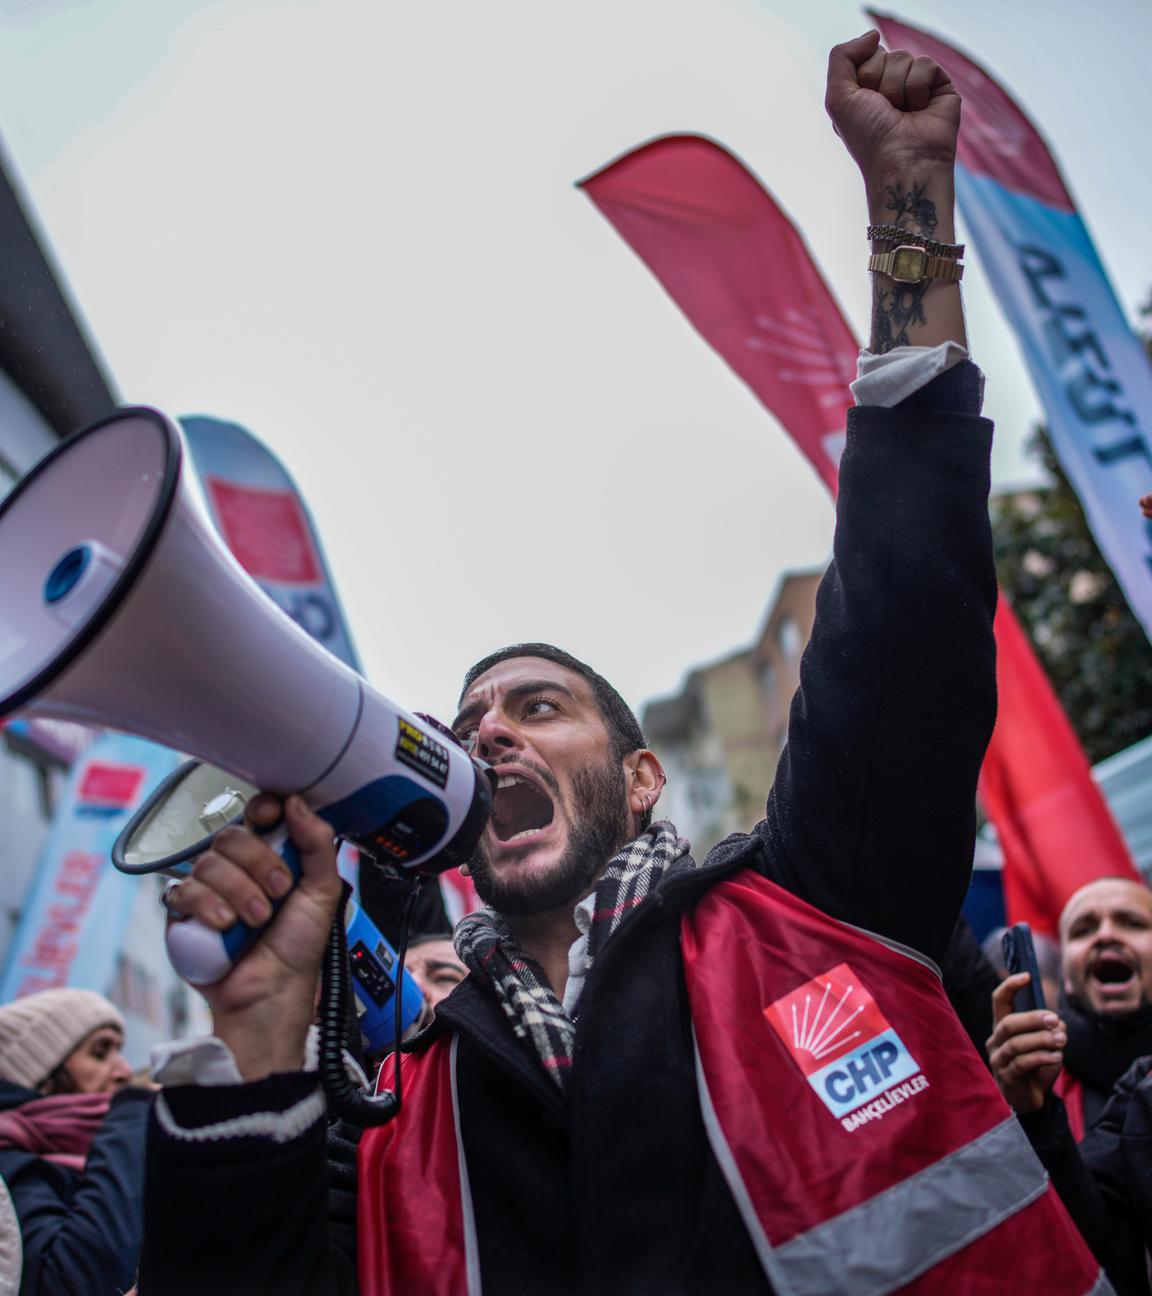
(911, 210)
(902, 306)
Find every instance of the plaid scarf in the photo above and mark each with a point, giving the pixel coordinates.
(486, 947)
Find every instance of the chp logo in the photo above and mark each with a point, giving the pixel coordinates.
(850, 1055)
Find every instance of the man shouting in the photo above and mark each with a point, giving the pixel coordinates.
(666, 1075)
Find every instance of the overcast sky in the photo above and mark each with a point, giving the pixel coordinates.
(351, 227)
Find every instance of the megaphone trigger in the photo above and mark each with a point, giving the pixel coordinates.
(225, 808)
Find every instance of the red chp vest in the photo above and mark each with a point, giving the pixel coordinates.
(864, 1142)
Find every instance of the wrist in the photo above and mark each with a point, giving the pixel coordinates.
(920, 199)
(262, 1046)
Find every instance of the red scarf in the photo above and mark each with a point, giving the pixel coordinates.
(59, 1128)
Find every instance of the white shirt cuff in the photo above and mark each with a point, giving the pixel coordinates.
(202, 1061)
(208, 1061)
(885, 380)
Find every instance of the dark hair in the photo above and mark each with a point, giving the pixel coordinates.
(623, 727)
(58, 1081)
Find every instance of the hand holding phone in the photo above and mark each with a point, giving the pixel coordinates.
(1026, 1047)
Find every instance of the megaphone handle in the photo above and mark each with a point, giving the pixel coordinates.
(202, 955)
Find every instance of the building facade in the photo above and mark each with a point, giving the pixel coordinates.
(720, 738)
(52, 382)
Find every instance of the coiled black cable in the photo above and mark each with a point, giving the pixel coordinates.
(345, 1099)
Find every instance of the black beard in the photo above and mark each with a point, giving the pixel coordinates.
(602, 824)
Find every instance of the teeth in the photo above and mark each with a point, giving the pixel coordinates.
(509, 780)
(528, 832)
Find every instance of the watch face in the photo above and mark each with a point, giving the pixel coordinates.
(909, 264)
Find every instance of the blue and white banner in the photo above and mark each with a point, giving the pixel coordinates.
(262, 518)
(1090, 371)
(78, 906)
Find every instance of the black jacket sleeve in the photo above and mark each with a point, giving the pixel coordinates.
(343, 1147)
(1094, 1184)
(237, 1194)
(872, 814)
(969, 979)
(1118, 1149)
(83, 1234)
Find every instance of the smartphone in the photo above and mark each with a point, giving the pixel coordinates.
(1020, 956)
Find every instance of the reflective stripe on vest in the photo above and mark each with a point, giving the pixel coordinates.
(471, 1247)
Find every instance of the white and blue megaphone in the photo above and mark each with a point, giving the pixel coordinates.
(120, 607)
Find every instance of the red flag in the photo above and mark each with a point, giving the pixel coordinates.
(459, 895)
(740, 272)
(735, 265)
(1054, 825)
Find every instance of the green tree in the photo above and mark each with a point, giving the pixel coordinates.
(1095, 651)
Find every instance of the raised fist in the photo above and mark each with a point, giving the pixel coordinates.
(896, 114)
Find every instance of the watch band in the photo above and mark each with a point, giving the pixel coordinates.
(895, 236)
(910, 264)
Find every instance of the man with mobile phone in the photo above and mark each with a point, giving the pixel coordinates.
(1078, 1075)
(1076, 1050)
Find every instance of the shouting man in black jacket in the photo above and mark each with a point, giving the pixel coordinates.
(567, 1125)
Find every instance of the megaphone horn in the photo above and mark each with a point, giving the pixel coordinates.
(123, 609)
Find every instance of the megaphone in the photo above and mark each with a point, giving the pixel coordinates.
(122, 608)
(177, 821)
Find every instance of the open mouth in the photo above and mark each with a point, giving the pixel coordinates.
(520, 809)
(1112, 970)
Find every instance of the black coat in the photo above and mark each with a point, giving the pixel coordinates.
(1106, 1182)
(81, 1232)
(614, 1189)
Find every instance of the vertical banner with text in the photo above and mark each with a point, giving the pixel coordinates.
(1090, 370)
(740, 272)
(78, 905)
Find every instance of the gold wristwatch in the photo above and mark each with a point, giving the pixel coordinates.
(908, 264)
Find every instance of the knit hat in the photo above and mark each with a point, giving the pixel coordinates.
(38, 1032)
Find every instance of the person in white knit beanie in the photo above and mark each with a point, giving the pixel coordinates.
(72, 1133)
(63, 1041)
